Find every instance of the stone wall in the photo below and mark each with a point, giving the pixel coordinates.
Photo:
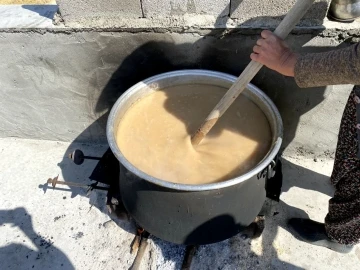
(73, 9)
(166, 8)
(248, 12)
(262, 12)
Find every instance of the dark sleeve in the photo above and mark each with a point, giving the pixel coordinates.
(340, 66)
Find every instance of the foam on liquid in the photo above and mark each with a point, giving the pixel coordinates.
(154, 135)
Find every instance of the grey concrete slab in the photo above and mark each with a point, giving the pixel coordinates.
(59, 86)
(164, 8)
(42, 228)
(259, 12)
(74, 10)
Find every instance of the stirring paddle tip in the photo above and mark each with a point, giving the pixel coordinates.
(203, 130)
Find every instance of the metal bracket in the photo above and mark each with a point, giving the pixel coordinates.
(268, 171)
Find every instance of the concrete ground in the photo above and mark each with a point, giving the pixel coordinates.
(42, 228)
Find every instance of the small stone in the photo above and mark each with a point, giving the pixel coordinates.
(315, 160)
(64, 197)
(114, 201)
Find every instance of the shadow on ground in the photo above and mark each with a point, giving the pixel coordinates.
(216, 51)
(46, 11)
(297, 176)
(20, 254)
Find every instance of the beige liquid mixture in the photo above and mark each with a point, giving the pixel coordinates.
(154, 135)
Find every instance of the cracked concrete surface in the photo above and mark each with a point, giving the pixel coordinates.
(42, 228)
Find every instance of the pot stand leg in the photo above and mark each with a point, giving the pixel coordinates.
(140, 243)
(255, 229)
(189, 255)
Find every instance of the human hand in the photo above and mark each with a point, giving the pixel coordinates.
(273, 52)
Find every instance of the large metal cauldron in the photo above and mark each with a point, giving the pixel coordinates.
(193, 214)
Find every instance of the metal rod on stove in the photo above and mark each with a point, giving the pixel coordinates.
(189, 255)
(55, 181)
(78, 157)
(93, 158)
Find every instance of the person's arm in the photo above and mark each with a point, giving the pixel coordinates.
(340, 66)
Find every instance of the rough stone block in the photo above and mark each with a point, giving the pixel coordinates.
(261, 12)
(75, 10)
(165, 8)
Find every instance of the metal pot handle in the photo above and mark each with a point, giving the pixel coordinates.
(274, 179)
(270, 169)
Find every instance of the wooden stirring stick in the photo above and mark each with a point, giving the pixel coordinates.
(282, 31)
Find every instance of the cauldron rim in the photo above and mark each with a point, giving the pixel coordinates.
(277, 141)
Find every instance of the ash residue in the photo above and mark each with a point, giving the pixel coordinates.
(58, 217)
(78, 235)
(43, 242)
(329, 154)
(303, 152)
